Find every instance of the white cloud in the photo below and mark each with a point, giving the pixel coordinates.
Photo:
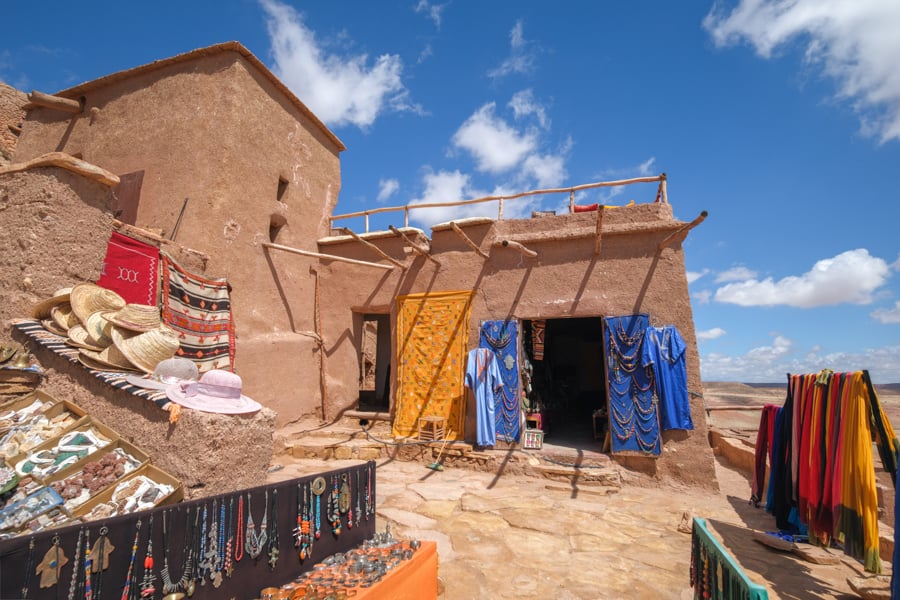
(449, 186)
(711, 334)
(338, 90)
(432, 11)
(524, 104)
(703, 296)
(855, 43)
(693, 276)
(644, 169)
(546, 170)
(850, 277)
(387, 188)
(735, 274)
(887, 315)
(496, 146)
(521, 57)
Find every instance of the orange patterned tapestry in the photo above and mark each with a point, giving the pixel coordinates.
(432, 339)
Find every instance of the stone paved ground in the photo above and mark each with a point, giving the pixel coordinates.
(515, 536)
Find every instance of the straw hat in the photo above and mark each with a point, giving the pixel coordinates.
(52, 327)
(148, 349)
(99, 329)
(135, 317)
(108, 359)
(41, 310)
(78, 337)
(63, 316)
(87, 298)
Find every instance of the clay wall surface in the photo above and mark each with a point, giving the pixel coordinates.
(215, 130)
(566, 279)
(12, 113)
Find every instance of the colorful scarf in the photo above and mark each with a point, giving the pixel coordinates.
(432, 337)
(538, 329)
(199, 310)
(502, 338)
(130, 269)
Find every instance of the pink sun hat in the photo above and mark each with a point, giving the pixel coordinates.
(218, 391)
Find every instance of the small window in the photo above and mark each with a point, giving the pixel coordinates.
(282, 188)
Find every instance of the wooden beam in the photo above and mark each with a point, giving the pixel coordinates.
(600, 212)
(519, 248)
(68, 162)
(55, 102)
(415, 247)
(682, 231)
(352, 261)
(468, 240)
(372, 247)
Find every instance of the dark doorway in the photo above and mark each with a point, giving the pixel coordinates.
(568, 385)
(375, 363)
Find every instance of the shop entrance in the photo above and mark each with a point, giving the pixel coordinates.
(374, 363)
(567, 391)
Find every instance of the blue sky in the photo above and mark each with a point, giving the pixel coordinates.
(780, 118)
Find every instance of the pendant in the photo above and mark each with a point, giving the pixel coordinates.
(217, 579)
(344, 497)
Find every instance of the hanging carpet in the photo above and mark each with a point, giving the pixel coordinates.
(130, 269)
(633, 410)
(432, 338)
(502, 338)
(199, 310)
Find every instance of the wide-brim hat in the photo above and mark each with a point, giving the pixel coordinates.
(148, 349)
(135, 317)
(78, 336)
(218, 391)
(63, 316)
(41, 310)
(168, 372)
(99, 330)
(87, 298)
(108, 359)
(51, 326)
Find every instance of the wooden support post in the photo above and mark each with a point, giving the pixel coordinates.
(351, 261)
(372, 247)
(519, 248)
(468, 240)
(415, 247)
(55, 102)
(682, 231)
(599, 227)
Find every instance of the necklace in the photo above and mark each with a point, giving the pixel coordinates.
(202, 557)
(497, 335)
(239, 539)
(369, 467)
(76, 571)
(334, 514)
(100, 558)
(349, 500)
(147, 587)
(185, 582)
(252, 545)
(29, 568)
(263, 535)
(168, 585)
(318, 532)
(128, 588)
(301, 532)
(88, 565)
(358, 511)
(212, 547)
(228, 566)
(274, 551)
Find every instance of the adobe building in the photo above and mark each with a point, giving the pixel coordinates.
(211, 157)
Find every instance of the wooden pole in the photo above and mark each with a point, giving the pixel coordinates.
(178, 220)
(55, 102)
(352, 261)
(662, 183)
(599, 227)
(467, 240)
(519, 248)
(682, 231)
(373, 247)
(415, 247)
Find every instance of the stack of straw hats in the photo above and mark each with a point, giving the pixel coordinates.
(110, 334)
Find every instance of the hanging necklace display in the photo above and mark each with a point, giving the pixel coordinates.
(358, 511)
(349, 501)
(52, 564)
(368, 490)
(186, 582)
(252, 545)
(239, 537)
(219, 558)
(147, 581)
(334, 515)
(29, 569)
(86, 583)
(128, 588)
(274, 550)
(318, 488)
(76, 566)
(168, 586)
(302, 532)
(211, 556)
(202, 556)
(100, 559)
